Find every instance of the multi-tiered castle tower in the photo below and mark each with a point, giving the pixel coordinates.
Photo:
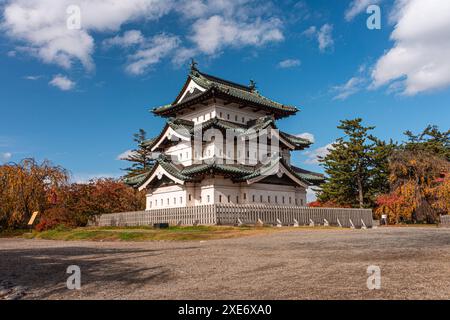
(221, 145)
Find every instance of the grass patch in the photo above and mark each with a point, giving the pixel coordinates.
(13, 233)
(145, 233)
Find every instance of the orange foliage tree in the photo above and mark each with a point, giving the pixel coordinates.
(26, 187)
(30, 186)
(398, 205)
(417, 191)
(441, 194)
(78, 204)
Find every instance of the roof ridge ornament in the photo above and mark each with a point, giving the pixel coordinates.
(193, 66)
(252, 85)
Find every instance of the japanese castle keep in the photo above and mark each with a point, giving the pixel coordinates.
(221, 144)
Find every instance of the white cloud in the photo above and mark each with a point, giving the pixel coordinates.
(151, 53)
(5, 156)
(307, 136)
(310, 32)
(312, 157)
(351, 87)
(41, 25)
(32, 78)
(325, 37)
(86, 177)
(39, 28)
(419, 60)
(212, 34)
(62, 82)
(124, 155)
(289, 63)
(182, 55)
(311, 194)
(129, 38)
(358, 6)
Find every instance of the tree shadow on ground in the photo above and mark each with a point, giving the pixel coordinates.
(43, 270)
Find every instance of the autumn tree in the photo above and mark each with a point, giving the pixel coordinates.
(80, 203)
(141, 157)
(356, 167)
(415, 176)
(26, 187)
(441, 194)
(419, 173)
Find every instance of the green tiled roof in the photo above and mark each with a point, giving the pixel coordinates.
(236, 171)
(217, 168)
(296, 141)
(219, 87)
(137, 179)
(250, 127)
(312, 177)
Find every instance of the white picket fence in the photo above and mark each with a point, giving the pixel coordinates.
(224, 214)
(445, 221)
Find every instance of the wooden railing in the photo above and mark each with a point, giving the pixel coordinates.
(241, 214)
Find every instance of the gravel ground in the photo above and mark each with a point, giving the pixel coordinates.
(300, 264)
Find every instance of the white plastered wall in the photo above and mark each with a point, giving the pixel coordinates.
(220, 190)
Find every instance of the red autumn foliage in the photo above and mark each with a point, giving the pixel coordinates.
(46, 224)
(77, 204)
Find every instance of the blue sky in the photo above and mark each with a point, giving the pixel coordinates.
(75, 97)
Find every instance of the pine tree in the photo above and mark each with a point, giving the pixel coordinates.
(141, 158)
(431, 140)
(356, 167)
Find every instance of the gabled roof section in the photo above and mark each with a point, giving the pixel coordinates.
(136, 179)
(277, 166)
(312, 177)
(236, 172)
(212, 86)
(162, 167)
(186, 126)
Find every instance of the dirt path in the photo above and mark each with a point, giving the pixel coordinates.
(304, 264)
